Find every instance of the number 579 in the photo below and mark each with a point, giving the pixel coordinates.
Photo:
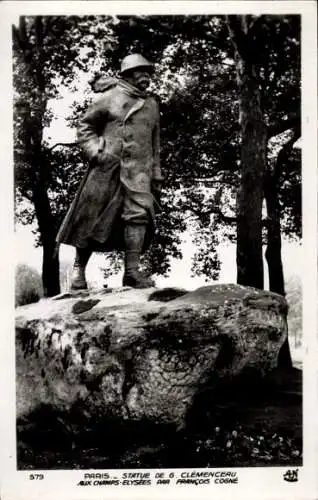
(36, 476)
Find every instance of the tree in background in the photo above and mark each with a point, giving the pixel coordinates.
(269, 104)
(252, 38)
(265, 54)
(196, 82)
(253, 154)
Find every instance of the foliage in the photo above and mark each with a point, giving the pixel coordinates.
(47, 53)
(201, 100)
(44, 61)
(290, 195)
(28, 287)
(246, 447)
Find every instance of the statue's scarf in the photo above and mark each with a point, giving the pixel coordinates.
(105, 83)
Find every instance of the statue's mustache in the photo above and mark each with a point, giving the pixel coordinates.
(143, 80)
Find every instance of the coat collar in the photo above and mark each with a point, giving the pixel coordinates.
(105, 83)
(131, 90)
(136, 107)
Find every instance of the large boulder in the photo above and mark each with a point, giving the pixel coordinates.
(143, 355)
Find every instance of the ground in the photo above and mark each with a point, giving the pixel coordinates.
(247, 426)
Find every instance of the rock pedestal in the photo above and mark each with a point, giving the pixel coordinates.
(134, 355)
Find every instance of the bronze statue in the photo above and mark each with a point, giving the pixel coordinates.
(114, 207)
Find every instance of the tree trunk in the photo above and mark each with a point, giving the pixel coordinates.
(249, 256)
(273, 250)
(50, 264)
(250, 196)
(32, 48)
(50, 268)
(274, 257)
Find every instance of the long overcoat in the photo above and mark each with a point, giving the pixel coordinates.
(119, 135)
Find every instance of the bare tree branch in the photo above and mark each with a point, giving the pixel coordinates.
(39, 31)
(23, 31)
(254, 21)
(284, 152)
(20, 34)
(209, 182)
(224, 218)
(15, 35)
(208, 211)
(236, 32)
(280, 127)
(68, 144)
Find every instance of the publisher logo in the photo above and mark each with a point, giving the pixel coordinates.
(291, 476)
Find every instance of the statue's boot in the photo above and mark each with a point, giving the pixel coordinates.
(78, 281)
(134, 240)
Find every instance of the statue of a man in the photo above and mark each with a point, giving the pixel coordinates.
(115, 204)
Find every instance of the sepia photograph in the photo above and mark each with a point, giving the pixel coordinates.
(159, 253)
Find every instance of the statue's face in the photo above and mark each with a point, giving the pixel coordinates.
(140, 78)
